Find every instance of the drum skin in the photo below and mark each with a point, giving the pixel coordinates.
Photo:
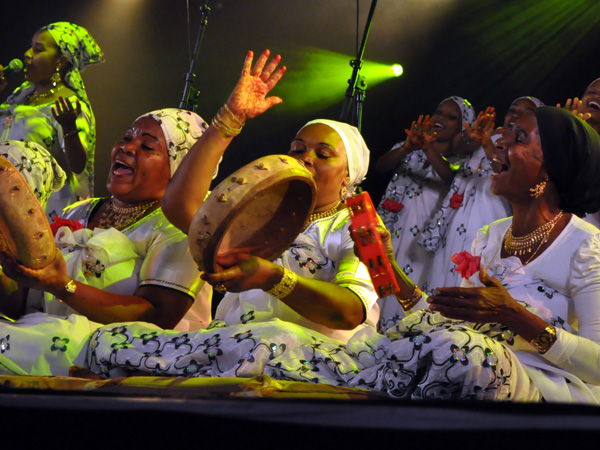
(259, 210)
(24, 230)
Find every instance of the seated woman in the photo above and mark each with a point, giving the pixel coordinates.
(470, 205)
(316, 293)
(525, 326)
(52, 109)
(117, 259)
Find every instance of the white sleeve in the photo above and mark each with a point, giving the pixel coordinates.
(580, 354)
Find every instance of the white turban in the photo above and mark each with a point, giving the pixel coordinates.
(357, 151)
(182, 129)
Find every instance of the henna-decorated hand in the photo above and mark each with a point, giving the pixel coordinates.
(483, 128)
(576, 107)
(420, 135)
(249, 97)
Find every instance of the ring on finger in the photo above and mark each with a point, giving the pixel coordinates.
(220, 287)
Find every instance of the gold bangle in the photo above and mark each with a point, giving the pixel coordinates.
(285, 286)
(408, 303)
(233, 116)
(71, 287)
(224, 130)
(543, 341)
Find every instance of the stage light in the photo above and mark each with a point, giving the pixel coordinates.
(318, 78)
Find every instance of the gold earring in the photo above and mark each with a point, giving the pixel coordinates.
(538, 190)
(343, 193)
(55, 78)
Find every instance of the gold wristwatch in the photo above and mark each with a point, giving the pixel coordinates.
(71, 287)
(543, 341)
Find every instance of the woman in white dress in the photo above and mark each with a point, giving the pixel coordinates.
(469, 204)
(116, 259)
(317, 294)
(52, 108)
(525, 324)
(424, 167)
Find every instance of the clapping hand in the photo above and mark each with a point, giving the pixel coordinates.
(249, 97)
(66, 114)
(483, 128)
(420, 135)
(575, 106)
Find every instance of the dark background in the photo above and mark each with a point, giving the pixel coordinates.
(487, 51)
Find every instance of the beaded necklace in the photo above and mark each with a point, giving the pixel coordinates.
(120, 217)
(518, 246)
(322, 215)
(38, 98)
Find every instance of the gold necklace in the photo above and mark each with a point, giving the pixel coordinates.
(517, 246)
(322, 215)
(36, 97)
(120, 217)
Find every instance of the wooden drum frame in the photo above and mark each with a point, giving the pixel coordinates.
(259, 210)
(24, 229)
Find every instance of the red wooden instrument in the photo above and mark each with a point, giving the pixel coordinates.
(369, 244)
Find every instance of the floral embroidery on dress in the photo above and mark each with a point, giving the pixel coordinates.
(59, 344)
(4, 344)
(308, 258)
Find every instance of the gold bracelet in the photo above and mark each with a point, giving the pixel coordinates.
(71, 287)
(233, 116)
(285, 286)
(408, 303)
(543, 341)
(72, 133)
(224, 130)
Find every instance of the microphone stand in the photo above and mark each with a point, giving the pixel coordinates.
(357, 84)
(191, 95)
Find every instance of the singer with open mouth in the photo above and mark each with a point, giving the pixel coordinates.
(51, 107)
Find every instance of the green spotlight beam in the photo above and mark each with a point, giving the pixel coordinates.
(317, 78)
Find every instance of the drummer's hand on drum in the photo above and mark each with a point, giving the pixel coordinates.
(249, 97)
(51, 278)
(244, 272)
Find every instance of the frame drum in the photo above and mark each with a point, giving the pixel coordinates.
(259, 210)
(24, 230)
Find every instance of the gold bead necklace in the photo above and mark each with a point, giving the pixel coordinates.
(518, 246)
(322, 215)
(120, 217)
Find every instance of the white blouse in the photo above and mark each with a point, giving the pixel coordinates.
(324, 251)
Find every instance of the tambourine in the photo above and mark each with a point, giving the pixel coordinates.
(24, 229)
(258, 210)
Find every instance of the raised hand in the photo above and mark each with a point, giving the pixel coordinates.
(249, 97)
(483, 128)
(576, 107)
(420, 134)
(66, 114)
(3, 82)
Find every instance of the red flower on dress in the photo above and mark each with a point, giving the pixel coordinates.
(58, 222)
(391, 205)
(456, 201)
(466, 264)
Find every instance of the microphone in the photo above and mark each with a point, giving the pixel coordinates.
(14, 66)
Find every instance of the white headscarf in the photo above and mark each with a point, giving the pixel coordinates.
(41, 171)
(357, 151)
(182, 129)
